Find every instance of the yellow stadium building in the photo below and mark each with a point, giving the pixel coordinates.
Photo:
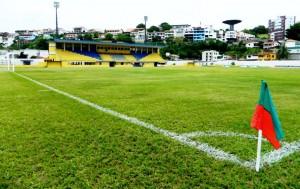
(76, 53)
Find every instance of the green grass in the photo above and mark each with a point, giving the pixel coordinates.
(50, 141)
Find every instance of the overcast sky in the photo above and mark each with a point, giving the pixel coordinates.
(123, 14)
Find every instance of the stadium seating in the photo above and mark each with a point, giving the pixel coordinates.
(154, 57)
(118, 57)
(106, 57)
(71, 56)
(139, 55)
(130, 58)
(92, 54)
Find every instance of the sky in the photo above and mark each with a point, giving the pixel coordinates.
(124, 14)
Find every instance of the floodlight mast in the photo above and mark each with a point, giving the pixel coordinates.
(145, 19)
(56, 6)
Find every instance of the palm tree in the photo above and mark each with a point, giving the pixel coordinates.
(282, 53)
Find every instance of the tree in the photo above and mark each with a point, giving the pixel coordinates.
(124, 38)
(88, 36)
(22, 55)
(252, 51)
(179, 39)
(294, 32)
(282, 53)
(141, 25)
(1, 46)
(165, 26)
(157, 39)
(153, 29)
(40, 43)
(80, 37)
(260, 30)
(109, 36)
(96, 35)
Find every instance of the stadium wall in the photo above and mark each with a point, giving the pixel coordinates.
(228, 63)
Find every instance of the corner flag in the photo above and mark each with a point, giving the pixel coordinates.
(265, 117)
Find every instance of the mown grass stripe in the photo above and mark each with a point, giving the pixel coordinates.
(219, 154)
(269, 158)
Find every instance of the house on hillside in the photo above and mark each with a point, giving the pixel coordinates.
(71, 35)
(244, 36)
(267, 56)
(293, 48)
(252, 57)
(114, 32)
(271, 45)
(251, 44)
(79, 29)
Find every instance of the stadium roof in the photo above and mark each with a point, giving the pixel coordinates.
(106, 43)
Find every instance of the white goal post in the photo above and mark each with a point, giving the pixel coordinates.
(7, 64)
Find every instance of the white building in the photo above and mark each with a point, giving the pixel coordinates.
(244, 36)
(138, 35)
(293, 48)
(114, 32)
(179, 30)
(209, 32)
(211, 56)
(7, 39)
(150, 35)
(33, 57)
(252, 57)
(221, 35)
(251, 44)
(79, 29)
(271, 45)
(169, 33)
(230, 35)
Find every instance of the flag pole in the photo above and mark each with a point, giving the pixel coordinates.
(258, 150)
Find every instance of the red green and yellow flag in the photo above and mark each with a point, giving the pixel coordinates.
(265, 117)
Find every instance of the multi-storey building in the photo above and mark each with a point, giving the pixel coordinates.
(198, 34)
(170, 33)
(277, 27)
(179, 30)
(137, 34)
(210, 32)
(194, 34)
(231, 36)
(161, 35)
(211, 56)
(221, 35)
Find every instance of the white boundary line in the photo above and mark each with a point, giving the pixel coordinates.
(218, 133)
(269, 158)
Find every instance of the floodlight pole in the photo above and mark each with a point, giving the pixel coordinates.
(56, 6)
(145, 19)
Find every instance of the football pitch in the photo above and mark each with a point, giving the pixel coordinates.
(165, 127)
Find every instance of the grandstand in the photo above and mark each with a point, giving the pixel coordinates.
(68, 53)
